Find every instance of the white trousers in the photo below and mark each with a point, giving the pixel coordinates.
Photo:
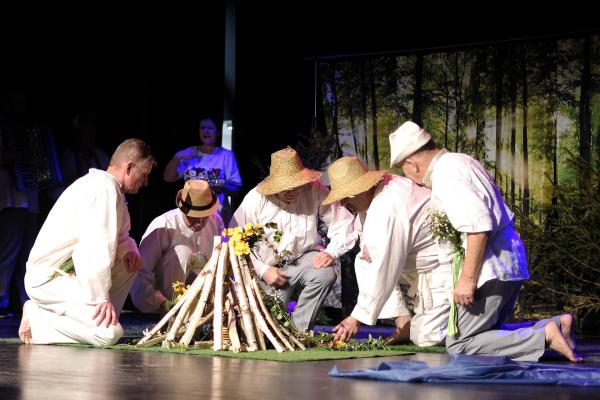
(57, 315)
(433, 289)
(172, 267)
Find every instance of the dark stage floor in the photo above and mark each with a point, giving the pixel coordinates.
(59, 372)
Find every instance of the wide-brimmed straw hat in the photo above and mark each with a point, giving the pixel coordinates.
(348, 176)
(406, 140)
(286, 172)
(196, 199)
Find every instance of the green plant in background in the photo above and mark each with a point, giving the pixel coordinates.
(563, 245)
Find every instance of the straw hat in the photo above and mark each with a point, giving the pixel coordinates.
(406, 140)
(196, 199)
(286, 172)
(348, 176)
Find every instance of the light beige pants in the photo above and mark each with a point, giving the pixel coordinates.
(433, 289)
(57, 315)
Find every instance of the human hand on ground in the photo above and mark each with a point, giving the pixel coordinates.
(346, 329)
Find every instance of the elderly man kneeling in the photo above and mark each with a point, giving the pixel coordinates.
(396, 243)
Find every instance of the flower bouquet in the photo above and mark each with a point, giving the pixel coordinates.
(442, 230)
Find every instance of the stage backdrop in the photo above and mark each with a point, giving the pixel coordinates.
(528, 110)
(522, 108)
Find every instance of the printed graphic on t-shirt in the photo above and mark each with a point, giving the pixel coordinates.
(214, 176)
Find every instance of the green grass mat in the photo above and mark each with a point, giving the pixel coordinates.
(272, 355)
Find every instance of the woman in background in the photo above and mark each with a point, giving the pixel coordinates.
(209, 162)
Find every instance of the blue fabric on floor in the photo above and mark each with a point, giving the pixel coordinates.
(463, 368)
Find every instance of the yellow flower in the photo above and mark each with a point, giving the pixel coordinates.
(241, 248)
(339, 344)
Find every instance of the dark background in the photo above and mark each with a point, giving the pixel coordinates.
(153, 73)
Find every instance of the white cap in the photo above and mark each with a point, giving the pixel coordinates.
(406, 140)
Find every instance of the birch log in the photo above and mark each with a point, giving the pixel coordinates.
(265, 311)
(218, 299)
(231, 325)
(197, 314)
(240, 292)
(200, 280)
(256, 311)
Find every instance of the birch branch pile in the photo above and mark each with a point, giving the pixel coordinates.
(226, 291)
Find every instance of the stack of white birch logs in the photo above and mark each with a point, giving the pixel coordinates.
(226, 291)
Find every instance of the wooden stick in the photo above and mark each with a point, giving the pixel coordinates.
(164, 320)
(267, 314)
(231, 325)
(254, 306)
(247, 275)
(260, 337)
(197, 285)
(218, 299)
(193, 295)
(293, 338)
(197, 314)
(194, 288)
(240, 292)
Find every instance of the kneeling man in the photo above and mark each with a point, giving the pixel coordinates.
(176, 246)
(396, 243)
(86, 232)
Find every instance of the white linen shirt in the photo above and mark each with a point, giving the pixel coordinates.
(473, 203)
(298, 222)
(89, 223)
(165, 233)
(397, 236)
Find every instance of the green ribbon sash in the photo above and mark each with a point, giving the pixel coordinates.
(453, 318)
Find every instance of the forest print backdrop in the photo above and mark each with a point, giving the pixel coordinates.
(528, 110)
(521, 108)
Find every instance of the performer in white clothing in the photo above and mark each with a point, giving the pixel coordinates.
(495, 263)
(396, 240)
(176, 245)
(291, 197)
(88, 227)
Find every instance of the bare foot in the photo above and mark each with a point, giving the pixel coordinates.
(566, 328)
(402, 332)
(25, 327)
(556, 341)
